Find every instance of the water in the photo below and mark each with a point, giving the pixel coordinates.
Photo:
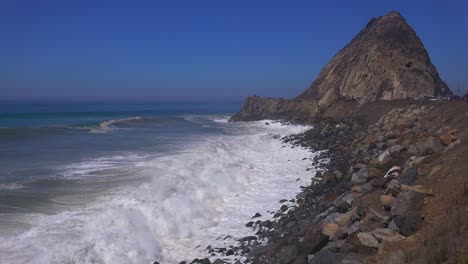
(136, 183)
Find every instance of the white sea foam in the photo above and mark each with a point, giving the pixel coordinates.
(107, 126)
(10, 186)
(194, 197)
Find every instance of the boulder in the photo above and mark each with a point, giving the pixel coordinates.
(430, 146)
(201, 261)
(343, 202)
(387, 201)
(374, 173)
(328, 177)
(395, 149)
(386, 235)
(313, 240)
(331, 230)
(413, 150)
(393, 188)
(448, 137)
(385, 157)
(409, 176)
(406, 211)
(395, 257)
(286, 254)
(325, 257)
(360, 176)
(374, 219)
(368, 240)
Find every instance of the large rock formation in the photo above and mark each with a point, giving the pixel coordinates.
(257, 108)
(385, 61)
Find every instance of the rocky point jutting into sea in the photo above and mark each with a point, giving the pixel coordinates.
(393, 189)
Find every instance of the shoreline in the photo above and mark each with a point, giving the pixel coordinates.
(373, 196)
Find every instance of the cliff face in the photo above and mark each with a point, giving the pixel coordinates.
(257, 108)
(385, 61)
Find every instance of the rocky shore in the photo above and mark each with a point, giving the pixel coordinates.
(376, 198)
(393, 188)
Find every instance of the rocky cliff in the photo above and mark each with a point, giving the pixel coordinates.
(257, 108)
(385, 61)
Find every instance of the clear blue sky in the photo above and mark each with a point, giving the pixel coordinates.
(200, 50)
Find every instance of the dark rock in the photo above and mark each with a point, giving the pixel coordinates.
(393, 188)
(247, 238)
(249, 224)
(256, 215)
(313, 240)
(286, 254)
(326, 257)
(409, 176)
(406, 211)
(201, 261)
(230, 252)
(266, 223)
(284, 208)
(360, 177)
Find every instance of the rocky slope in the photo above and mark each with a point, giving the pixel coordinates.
(257, 108)
(394, 191)
(385, 61)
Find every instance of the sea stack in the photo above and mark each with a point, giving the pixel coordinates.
(385, 61)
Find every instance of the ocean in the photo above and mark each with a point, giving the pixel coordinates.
(109, 182)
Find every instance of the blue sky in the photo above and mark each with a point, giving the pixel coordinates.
(200, 50)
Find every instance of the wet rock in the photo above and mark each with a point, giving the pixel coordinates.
(368, 240)
(406, 211)
(286, 254)
(249, 224)
(218, 261)
(329, 177)
(266, 224)
(247, 239)
(201, 261)
(230, 252)
(284, 208)
(339, 175)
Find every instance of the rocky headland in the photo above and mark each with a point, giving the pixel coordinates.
(393, 187)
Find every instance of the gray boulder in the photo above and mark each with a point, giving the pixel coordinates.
(406, 211)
